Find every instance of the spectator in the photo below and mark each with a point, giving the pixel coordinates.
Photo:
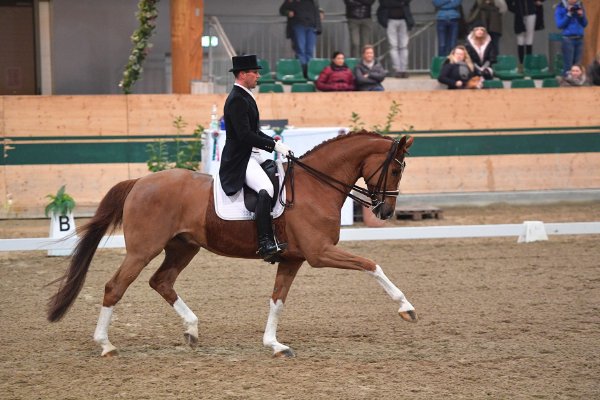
(594, 71)
(490, 13)
(574, 77)
(396, 17)
(369, 73)
(304, 18)
(571, 19)
(447, 18)
(336, 77)
(529, 17)
(458, 71)
(358, 14)
(480, 49)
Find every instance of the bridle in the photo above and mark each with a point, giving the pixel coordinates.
(376, 195)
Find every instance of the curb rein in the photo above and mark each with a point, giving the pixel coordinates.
(374, 195)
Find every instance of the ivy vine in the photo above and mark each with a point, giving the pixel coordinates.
(146, 15)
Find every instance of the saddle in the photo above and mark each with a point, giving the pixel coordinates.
(251, 197)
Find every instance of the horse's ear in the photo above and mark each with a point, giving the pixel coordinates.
(406, 141)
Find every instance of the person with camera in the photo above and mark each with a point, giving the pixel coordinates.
(570, 18)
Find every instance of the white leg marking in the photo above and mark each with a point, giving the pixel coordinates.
(391, 289)
(190, 321)
(270, 336)
(101, 333)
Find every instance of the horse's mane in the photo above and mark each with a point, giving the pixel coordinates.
(343, 137)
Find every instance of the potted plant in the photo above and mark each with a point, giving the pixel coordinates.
(60, 210)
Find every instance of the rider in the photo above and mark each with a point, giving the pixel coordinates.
(240, 160)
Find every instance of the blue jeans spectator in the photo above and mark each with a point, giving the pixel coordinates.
(447, 33)
(306, 39)
(572, 48)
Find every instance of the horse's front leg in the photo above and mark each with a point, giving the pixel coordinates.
(333, 257)
(286, 272)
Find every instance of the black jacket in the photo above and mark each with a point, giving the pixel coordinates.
(306, 13)
(489, 56)
(387, 7)
(358, 9)
(522, 8)
(242, 133)
(450, 74)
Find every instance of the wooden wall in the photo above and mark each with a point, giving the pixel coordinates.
(58, 118)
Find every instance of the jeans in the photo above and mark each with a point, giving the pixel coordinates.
(571, 52)
(447, 34)
(397, 34)
(306, 39)
(361, 33)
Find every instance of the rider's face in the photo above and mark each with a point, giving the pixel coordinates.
(250, 78)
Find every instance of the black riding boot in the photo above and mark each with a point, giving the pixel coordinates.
(268, 249)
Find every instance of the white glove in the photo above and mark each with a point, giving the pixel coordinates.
(282, 148)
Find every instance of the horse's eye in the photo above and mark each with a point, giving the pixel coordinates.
(395, 172)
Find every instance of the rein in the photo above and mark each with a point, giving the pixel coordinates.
(344, 188)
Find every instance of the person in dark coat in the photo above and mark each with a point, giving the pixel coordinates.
(594, 71)
(240, 160)
(336, 77)
(369, 73)
(396, 17)
(304, 24)
(481, 51)
(490, 13)
(458, 70)
(360, 26)
(529, 17)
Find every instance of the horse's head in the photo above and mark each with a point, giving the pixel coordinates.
(382, 173)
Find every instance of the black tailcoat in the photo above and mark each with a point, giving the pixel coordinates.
(242, 133)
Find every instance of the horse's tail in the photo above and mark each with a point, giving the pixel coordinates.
(110, 212)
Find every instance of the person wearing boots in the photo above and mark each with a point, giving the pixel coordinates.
(240, 160)
(529, 17)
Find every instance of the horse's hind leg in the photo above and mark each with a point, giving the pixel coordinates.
(178, 254)
(113, 291)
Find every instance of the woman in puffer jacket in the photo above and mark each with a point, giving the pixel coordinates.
(336, 77)
(458, 70)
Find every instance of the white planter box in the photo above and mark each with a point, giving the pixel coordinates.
(61, 226)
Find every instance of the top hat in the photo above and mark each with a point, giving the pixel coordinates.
(244, 63)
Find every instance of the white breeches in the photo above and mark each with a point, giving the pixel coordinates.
(256, 178)
(526, 38)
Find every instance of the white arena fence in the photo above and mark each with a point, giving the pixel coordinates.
(348, 234)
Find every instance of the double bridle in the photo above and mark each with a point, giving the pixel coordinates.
(376, 195)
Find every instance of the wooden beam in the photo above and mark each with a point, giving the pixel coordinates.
(187, 18)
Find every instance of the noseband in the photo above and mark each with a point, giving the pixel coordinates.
(376, 195)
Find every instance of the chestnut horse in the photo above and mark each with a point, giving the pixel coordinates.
(174, 211)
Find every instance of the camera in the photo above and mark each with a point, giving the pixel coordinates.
(575, 8)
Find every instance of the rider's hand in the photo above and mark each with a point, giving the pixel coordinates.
(282, 148)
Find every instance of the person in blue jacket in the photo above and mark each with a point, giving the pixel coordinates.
(447, 17)
(570, 18)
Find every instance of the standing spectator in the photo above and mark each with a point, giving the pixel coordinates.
(574, 77)
(336, 77)
(480, 49)
(447, 18)
(304, 18)
(529, 17)
(571, 19)
(369, 73)
(358, 14)
(489, 12)
(594, 71)
(396, 17)
(458, 71)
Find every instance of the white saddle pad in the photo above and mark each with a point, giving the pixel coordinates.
(232, 208)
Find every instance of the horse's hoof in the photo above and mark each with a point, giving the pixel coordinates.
(410, 316)
(287, 353)
(110, 354)
(192, 341)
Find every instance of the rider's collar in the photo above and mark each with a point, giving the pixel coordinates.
(246, 89)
